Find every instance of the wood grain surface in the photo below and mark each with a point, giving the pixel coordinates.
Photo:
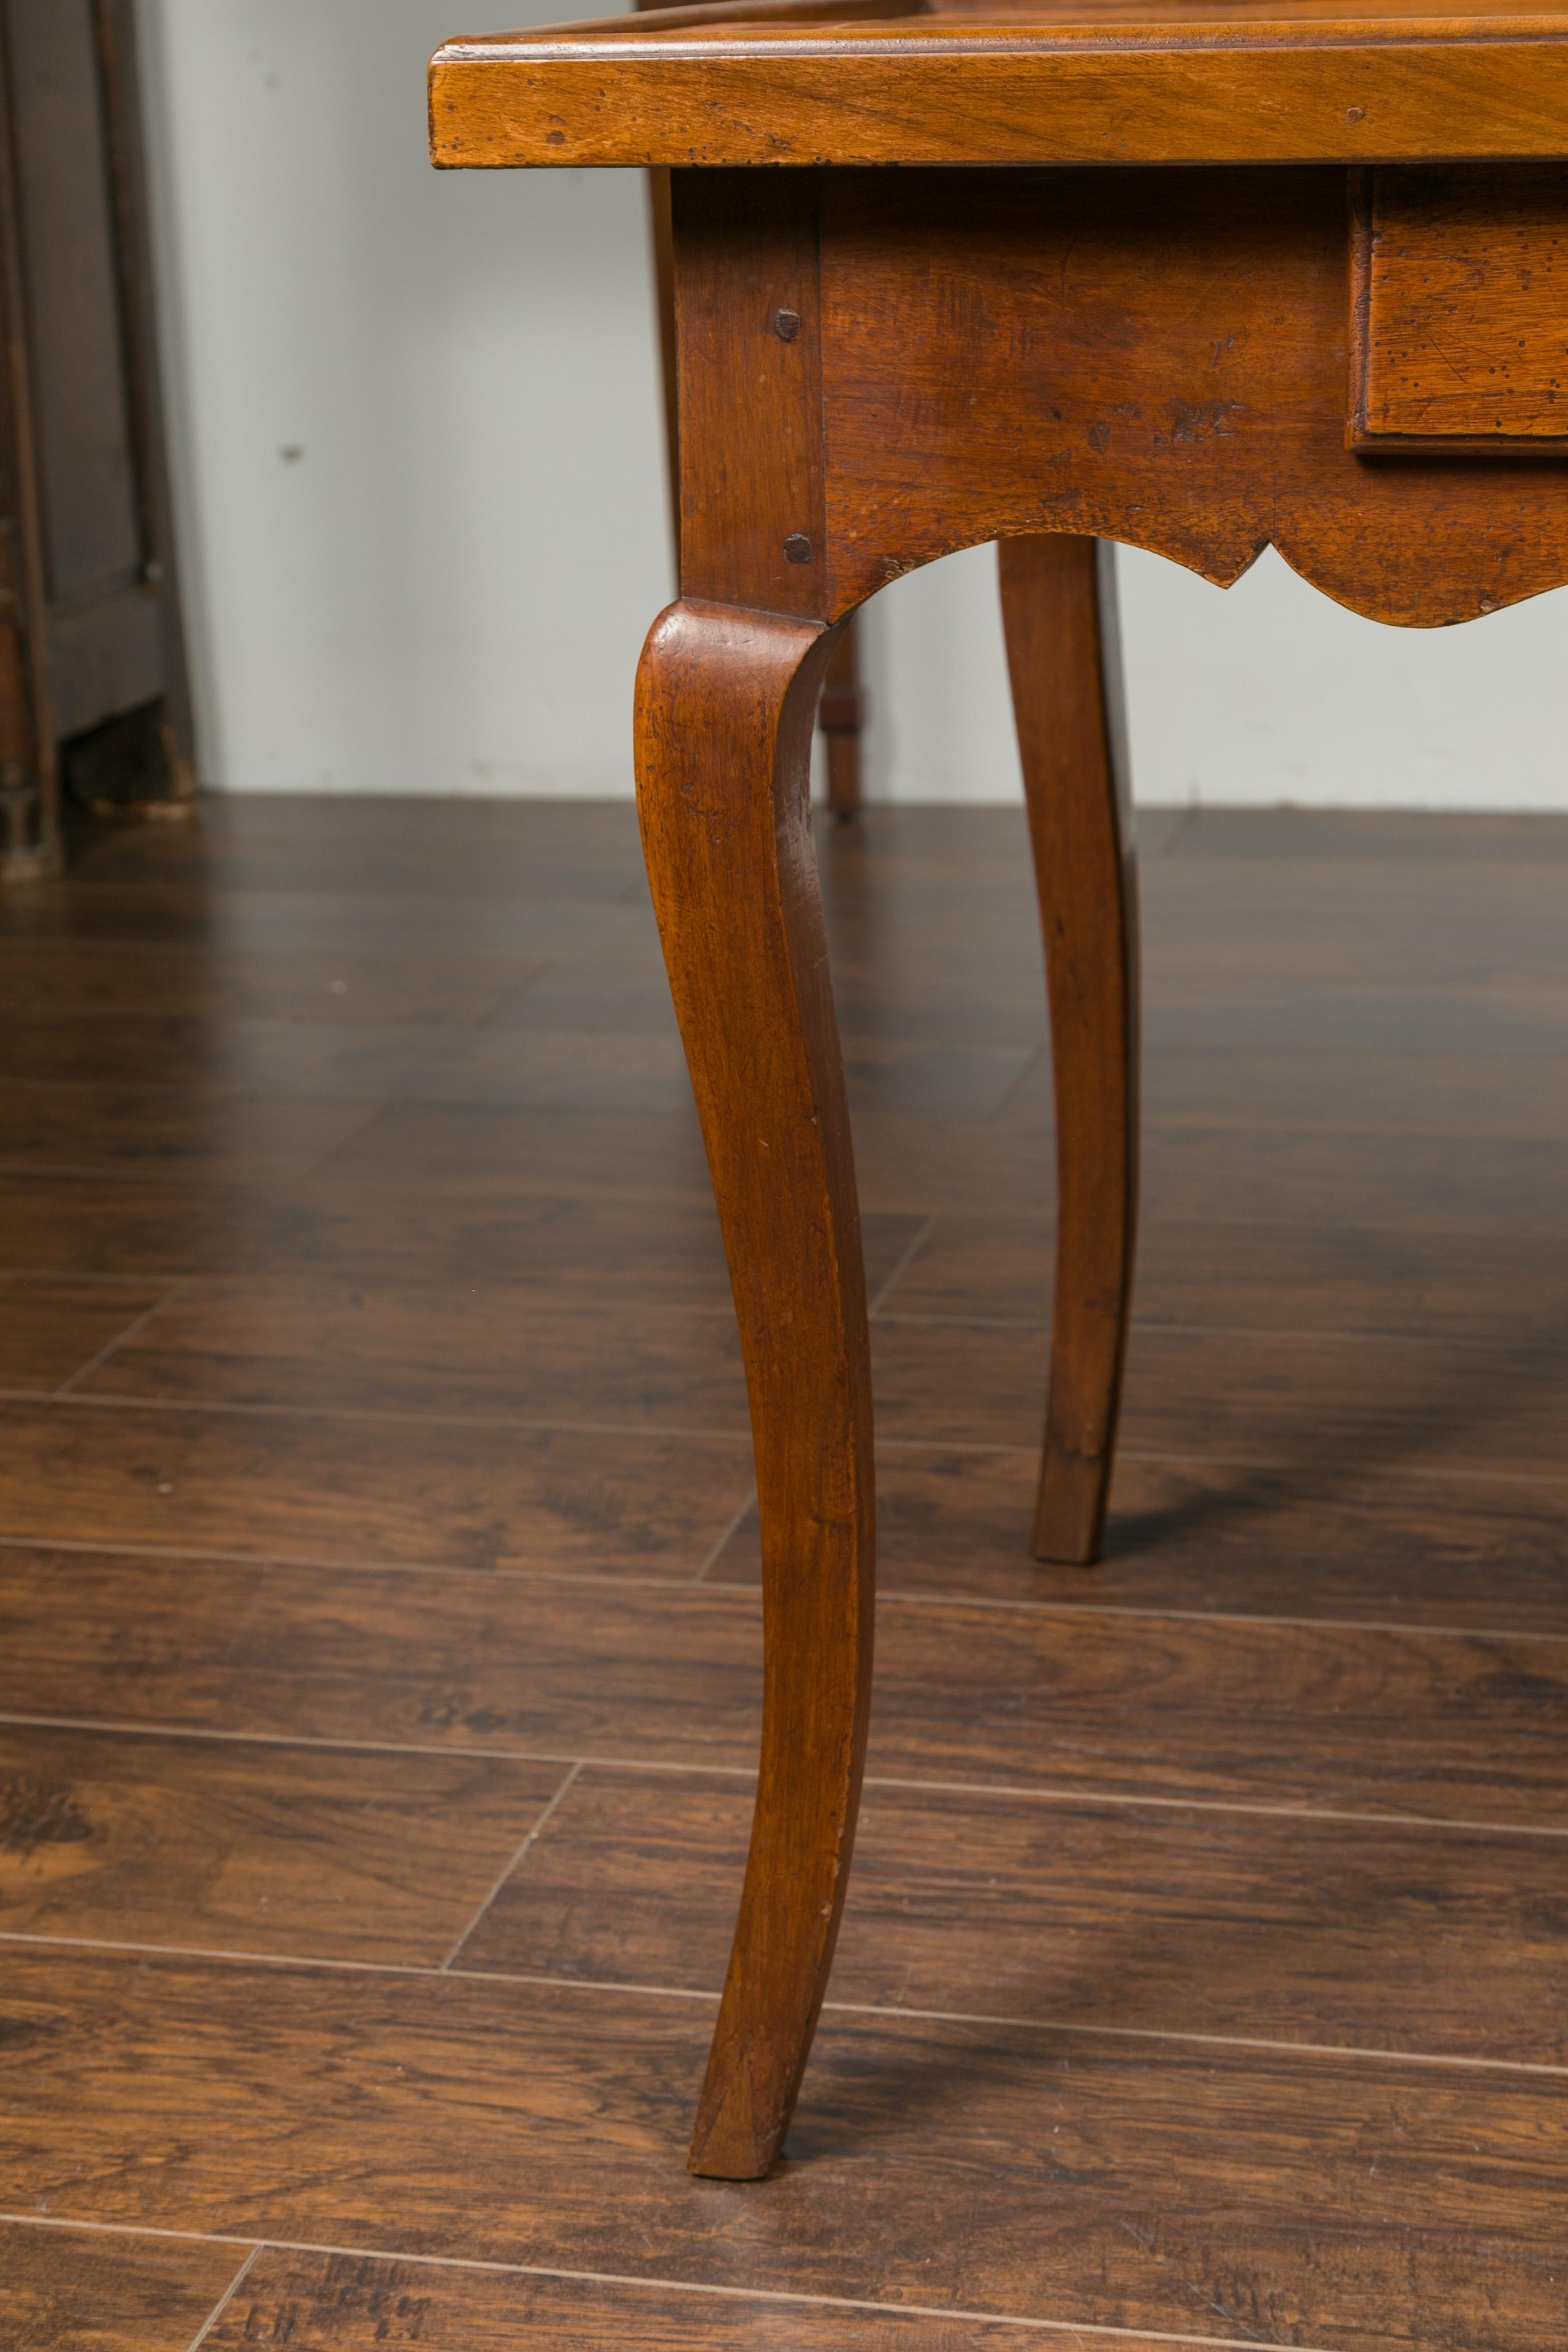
(1237, 1710)
(342, 2302)
(724, 712)
(1060, 617)
(1446, 1285)
(285, 2103)
(51, 1332)
(289, 1484)
(1153, 85)
(1113, 1918)
(301, 1851)
(1433, 1548)
(1462, 293)
(82, 2291)
(1140, 356)
(1286, 1768)
(450, 1349)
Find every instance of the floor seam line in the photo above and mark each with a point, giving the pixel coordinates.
(1018, 1792)
(722, 1545)
(905, 1260)
(427, 1972)
(668, 2287)
(522, 1579)
(568, 1783)
(68, 1388)
(216, 2313)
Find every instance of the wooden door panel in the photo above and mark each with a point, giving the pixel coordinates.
(92, 538)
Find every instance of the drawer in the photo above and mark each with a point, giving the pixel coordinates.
(1459, 310)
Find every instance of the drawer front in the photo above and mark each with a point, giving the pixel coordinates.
(1459, 310)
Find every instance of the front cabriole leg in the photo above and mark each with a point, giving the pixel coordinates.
(726, 704)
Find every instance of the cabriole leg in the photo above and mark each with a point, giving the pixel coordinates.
(1058, 604)
(726, 703)
(841, 717)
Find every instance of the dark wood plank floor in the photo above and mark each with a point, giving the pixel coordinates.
(379, 1644)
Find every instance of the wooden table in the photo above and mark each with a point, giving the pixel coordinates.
(1198, 278)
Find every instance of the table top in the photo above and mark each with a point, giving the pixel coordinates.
(1012, 82)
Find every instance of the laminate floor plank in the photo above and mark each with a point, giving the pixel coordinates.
(585, 996)
(923, 1165)
(153, 1128)
(421, 1061)
(52, 1330)
(482, 1153)
(1335, 939)
(649, 1246)
(1447, 945)
(538, 1066)
(1259, 1275)
(298, 981)
(978, 2168)
(212, 924)
(88, 2291)
(226, 1227)
(205, 935)
(1114, 1917)
(1376, 1018)
(482, 1349)
(376, 842)
(1477, 1554)
(213, 1845)
(250, 840)
(1195, 1012)
(1445, 925)
(390, 1588)
(1465, 837)
(296, 1486)
(1336, 1405)
(1348, 1094)
(1474, 1183)
(344, 2303)
(1336, 1719)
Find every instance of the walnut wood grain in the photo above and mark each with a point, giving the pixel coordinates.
(1344, 1403)
(841, 712)
(1347, 1718)
(1311, 975)
(286, 2103)
(298, 1484)
(443, 1350)
(213, 1845)
(101, 1225)
(87, 1127)
(1120, 1918)
(1491, 1186)
(1139, 356)
(1352, 1406)
(1307, 1540)
(51, 1331)
(1059, 604)
(84, 2290)
(145, 969)
(342, 2302)
(1057, 86)
(748, 310)
(724, 712)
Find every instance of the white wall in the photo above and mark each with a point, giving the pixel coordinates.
(1264, 692)
(419, 470)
